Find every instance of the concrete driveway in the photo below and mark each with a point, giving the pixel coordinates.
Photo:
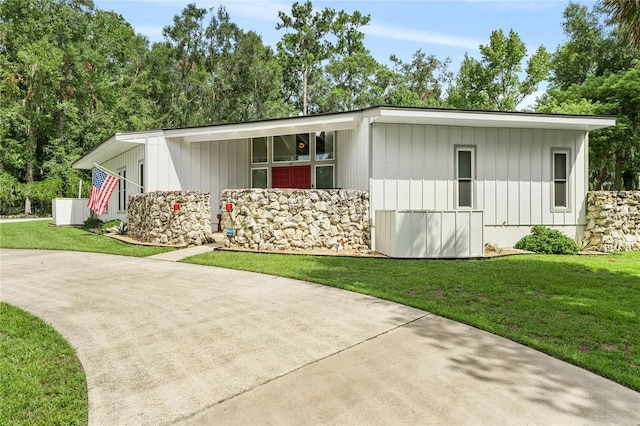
(169, 343)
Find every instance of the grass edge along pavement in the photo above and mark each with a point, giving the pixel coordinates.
(42, 380)
(39, 235)
(582, 309)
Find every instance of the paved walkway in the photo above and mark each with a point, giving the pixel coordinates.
(171, 343)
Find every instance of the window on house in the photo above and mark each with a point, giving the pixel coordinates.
(560, 179)
(259, 178)
(324, 146)
(464, 176)
(141, 189)
(259, 150)
(122, 189)
(289, 148)
(324, 177)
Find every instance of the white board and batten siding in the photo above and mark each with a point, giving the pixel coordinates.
(413, 168)
(352, 157)
(211, 166)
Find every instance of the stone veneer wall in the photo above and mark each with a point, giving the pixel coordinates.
(613, 220)
(285, 219)
(152, 218)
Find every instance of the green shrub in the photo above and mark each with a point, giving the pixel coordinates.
(92, 223)
(545, 240)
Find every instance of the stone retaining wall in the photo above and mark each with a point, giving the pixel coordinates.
(613, 220)
(303, 219)
(152, 217)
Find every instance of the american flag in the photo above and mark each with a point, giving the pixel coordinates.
(102, 187)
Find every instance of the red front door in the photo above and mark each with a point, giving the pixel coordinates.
(291, 177)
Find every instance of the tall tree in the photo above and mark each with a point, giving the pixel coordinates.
(493, 82)
(421, 82)
(303, 50)
(352, 77)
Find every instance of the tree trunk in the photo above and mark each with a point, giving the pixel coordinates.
(304, 91)
(617, 177)
(28, 178)
(601, 175)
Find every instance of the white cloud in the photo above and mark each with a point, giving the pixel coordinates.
(382, 30)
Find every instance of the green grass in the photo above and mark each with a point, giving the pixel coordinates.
(39, 235)
(41, 380)
(582, 309)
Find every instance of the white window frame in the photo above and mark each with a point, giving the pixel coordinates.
(122, 189)
(567, 180)
(141, 181)
(472, 179)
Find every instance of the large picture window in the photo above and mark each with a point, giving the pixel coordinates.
(560, 179)
(302, 160)
(290, 148)
(464, 175)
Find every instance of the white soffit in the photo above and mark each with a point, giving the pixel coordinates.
(267, 128)
(112, 147)
(490, 119)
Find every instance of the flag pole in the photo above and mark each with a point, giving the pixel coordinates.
(117, 175)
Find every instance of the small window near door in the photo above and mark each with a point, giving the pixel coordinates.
(560, 180)
(324, 177)
(464, 176)
(259, 178)
(141, 177)
(122, 189)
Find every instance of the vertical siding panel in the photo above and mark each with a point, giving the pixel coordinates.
(513, 178)
(418, 160)
(502, 190)
(206, 172)
(429, 171)
(185, 163)
(223, 163)
(195, 183)
(580, 190)
(455, 138)
(489, 178)
(391, 151)
(390, 194)
(404, 152)
(378, 151)
(442, 168)
(537, 142)
(524, 168)
(547, 144)
(479, 142)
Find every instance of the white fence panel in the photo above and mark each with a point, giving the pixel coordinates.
(430, 234)
(69, 211)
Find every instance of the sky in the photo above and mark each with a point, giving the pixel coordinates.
(443, 28)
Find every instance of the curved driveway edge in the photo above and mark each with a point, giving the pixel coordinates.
(165, 343)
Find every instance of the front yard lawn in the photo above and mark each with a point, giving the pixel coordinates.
(582, 309)
(42, 381)
(39, 235)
